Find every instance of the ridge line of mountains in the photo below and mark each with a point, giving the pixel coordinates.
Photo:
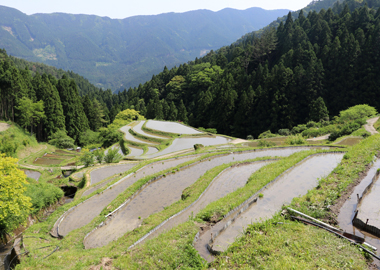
(120, 53)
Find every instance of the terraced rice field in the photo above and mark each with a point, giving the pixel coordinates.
(164, 192)
(293, 183)
(171, 127)
(85, 212)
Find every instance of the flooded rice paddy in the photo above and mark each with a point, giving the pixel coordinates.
(293, 183)
(369, 207)
(347, 211)
(102, 173)
(135, 151)
(32, 174)
(171, 127)
(128, 136)
(166, 191)
(138, 129)
(92, 207)
(225, 183)
(151, 150)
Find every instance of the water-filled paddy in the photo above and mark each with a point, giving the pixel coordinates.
(102, 173)
(138, 129)
(171, 127)
(347, 211)
(32, 174)
(166, 191)
(295, 182)
(135, 151)
(88, 210)
(227, 182)
(128, 136)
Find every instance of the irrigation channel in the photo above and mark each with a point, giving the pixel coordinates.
(165, 191)
(226, 182)
(347, 211)
(83, 213)
(292, 183)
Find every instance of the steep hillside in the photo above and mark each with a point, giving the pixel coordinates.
(121, 53)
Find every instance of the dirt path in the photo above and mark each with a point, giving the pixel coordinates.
(369, 126)
(236, 141)
(4, 126)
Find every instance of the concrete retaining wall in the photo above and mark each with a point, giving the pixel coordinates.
(360, 224)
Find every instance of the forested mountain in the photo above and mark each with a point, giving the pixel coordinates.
(117, 54)
(279, 79)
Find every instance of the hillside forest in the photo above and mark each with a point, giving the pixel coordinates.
(307, 69)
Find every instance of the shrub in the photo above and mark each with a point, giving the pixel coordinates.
(295, 140)
(311, 124)
(198, 146)
(249, 137)
(89, 137)
(43, 195)
(99, 155)
(267, 134)
(110, 136)
(124, 149)
(61, 140)
(298, 129)
(357, 112)
(209, 130)
(87, 158)
(264, 143)
(113, 156)
(284, 132)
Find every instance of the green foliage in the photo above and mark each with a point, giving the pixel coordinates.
(209, 130)
(250, 137)
(42, 195)
(357, 112)
(298, 129)
(198, 146)
(30, 113)
(113, 156)
(346, 129)
(14, 204)
(295, 140)
(265, 143)
(267, 134)
(61, 140)
(89, 137)
(99, 155)
(110, 136)
(86, 157)
(284, 132)
(124, 149)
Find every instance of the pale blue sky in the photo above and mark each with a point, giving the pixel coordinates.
(121, 9)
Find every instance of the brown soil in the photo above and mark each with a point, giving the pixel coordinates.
(105, 264)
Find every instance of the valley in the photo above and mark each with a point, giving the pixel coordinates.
(208, 164)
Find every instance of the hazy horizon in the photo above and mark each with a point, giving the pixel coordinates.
(118, 9)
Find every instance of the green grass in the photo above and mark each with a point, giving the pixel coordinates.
(292, 245)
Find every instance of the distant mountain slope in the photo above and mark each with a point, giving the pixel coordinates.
(115, 53)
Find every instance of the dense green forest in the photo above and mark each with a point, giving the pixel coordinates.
(315, 65)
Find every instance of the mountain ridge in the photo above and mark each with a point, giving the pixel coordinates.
(119, 53)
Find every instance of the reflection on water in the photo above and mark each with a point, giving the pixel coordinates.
(295, 182)
(171, 127)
